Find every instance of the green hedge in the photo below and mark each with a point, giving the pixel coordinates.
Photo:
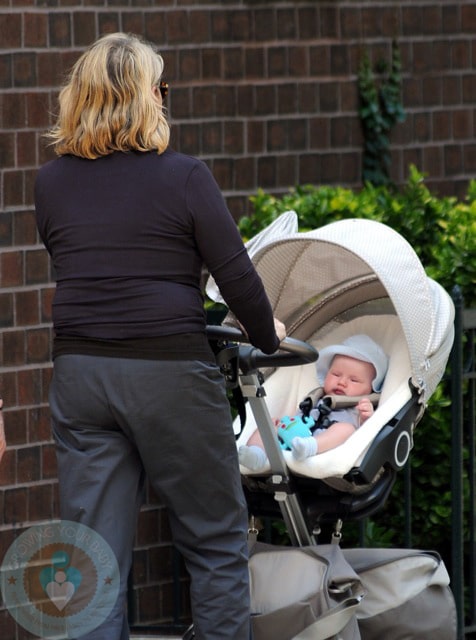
(443, 233)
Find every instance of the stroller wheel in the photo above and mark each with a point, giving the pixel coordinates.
(189, 634)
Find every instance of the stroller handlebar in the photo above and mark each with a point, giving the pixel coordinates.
(291, 352)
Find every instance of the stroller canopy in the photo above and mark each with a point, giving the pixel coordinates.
(356, 267)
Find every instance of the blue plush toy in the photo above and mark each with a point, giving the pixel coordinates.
(290, 428)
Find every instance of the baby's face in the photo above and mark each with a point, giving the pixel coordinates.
(349, 377)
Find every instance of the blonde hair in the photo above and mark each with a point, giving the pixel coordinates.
(108, 103)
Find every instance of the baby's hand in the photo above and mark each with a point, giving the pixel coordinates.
(365, 409)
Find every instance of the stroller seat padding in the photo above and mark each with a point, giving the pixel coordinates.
(286, 387)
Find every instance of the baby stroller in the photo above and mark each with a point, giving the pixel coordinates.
(350, 277)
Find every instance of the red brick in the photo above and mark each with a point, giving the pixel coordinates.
(189, 65)
(469, 158)
(26, 149)
(50, 68)
(351, 23)
(276, 135)
(35, 29)
(109, 22)
(319, 133)
(422, 127)
(255, 137)
(351, 168)
(189, 140)
(38, 346)
(461, 55)
(39, 429)
(233, 137)
(240, 24)
(11, 268)
(264, 100)
(37, 109)
(16, 505)
(431, 20)
(9, 463)
(8, 626)
(286, 170)
(84, 28)
(40, 502)
(277, 61)
(319, 60)
(6, 310)
(468, 18)
(307, 22)
(181, 102)
(28, 465)
(254, 63)
(132, 22)
(339, 60)
(211, 63)
(220, 26)
(36, 266)
(6, 70)
(25, 228)
(12, 111)
(225, 101)
(178, 27)
(411, 20)
(212, 137)
(453, 159)
(233, 64)
(297, 136)
(203, 101)
(463, 124)
(287, 99)
(245, 171)
(49, 464)
(245, 100)
(329, 22)
(200, 32)
(329, 97)
(451, 90)
(59, 29)
(30, 389)
(13, 346)
(267, 172)
(155, 27)
(46, 302)
(298, 61)
(433, 160)
(451, 18)
(310, 168)
(10, 30)
(27, 307)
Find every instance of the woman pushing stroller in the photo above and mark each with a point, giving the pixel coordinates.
(355, 370)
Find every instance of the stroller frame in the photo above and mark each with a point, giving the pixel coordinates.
(281, 493)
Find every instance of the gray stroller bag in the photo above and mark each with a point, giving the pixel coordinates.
(407, 595)
(303, 593)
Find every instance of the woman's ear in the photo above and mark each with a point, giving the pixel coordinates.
(157, 94)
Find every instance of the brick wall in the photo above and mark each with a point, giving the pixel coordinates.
(265, 92)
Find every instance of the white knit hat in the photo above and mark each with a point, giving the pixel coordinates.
(360, 347)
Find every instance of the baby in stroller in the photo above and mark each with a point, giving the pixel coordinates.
(351, 375)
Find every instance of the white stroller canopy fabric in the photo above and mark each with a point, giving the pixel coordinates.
(315, 277)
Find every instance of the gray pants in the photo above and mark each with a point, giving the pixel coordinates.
(117, 419)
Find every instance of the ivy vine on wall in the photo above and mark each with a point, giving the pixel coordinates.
(380, 109)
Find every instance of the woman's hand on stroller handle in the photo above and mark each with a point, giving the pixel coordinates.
(280, 329)
(291, 352)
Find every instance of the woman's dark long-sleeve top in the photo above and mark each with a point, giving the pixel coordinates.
(129, 234)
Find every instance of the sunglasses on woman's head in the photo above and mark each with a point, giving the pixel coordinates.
(163, 88)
